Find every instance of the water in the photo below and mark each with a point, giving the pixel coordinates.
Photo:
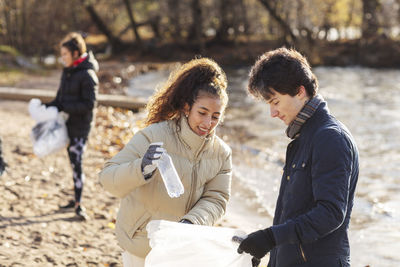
(367, 101)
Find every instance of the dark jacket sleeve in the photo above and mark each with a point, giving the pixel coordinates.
(331, 169)
(56, 101)
(88, 84)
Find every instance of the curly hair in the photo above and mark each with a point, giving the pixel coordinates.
(74, 41)
(183, 86)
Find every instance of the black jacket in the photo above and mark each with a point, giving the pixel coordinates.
(316, 196)
(77, 96)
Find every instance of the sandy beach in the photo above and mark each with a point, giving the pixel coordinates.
(34, 231)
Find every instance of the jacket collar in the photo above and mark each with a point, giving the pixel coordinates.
(305, 113)
(320, 115)
(191, 139)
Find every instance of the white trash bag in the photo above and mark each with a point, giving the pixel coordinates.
(50, 133)
(180, 244)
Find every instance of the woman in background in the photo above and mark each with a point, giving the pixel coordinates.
(76, 96)
(182, 119)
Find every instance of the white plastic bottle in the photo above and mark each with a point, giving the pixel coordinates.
(169, 175)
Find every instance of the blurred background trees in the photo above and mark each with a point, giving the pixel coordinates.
(34, 27)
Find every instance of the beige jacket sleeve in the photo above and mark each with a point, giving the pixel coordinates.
(212, 204)
(123, 172)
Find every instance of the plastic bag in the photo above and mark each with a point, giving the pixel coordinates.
(40, 112)
(50, 133)
(180, 244)
(169, 175)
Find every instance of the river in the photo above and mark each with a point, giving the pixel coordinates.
(367, 101)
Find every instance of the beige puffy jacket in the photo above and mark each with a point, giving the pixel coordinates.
(203, 164)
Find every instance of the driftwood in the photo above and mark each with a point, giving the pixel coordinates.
(128, 102)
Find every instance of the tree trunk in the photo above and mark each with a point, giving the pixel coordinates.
(222, 31)
(281, 22)
(133, 23)
(174, 18)
(244, 17)
(8, 23)
(115, 42)
(197, 26)
(370, 23)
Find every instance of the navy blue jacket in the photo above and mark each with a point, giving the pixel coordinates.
(316, 196)
(77, 96)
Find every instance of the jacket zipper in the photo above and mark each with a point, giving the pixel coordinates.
(302, 253)
(194, 178)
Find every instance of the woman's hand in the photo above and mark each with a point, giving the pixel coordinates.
(150, 159)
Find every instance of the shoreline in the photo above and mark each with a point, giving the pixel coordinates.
(37, 234)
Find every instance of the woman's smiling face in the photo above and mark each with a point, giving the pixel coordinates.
(205, 114)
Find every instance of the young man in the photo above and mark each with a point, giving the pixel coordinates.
(312, 215)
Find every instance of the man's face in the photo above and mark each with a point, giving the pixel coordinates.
(286, 107)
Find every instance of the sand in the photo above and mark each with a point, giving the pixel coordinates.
(33, 230)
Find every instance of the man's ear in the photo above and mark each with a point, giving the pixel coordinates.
(302, 92)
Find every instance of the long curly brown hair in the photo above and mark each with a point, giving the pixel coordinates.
(183, 86)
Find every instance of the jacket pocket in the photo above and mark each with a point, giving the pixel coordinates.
(140, 224)
(131, 216)
(290, 255)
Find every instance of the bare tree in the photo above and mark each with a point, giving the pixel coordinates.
(224, 20)
(370, 24)
(278, 18)
(133, 23)
(197, 25)
(174, 16)
(115, 42)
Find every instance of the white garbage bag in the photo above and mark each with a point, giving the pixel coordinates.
(180, 244)
(50, 133)
(40, 112)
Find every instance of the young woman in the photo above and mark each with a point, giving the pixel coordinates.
(183, 116)
(77, 96)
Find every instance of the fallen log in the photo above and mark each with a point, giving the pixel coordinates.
(121, 101)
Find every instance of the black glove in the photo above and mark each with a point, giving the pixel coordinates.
(150, 158)
(258, 243)
(59, 106)
(185, 221)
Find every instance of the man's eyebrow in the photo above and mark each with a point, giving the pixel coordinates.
(271, 99)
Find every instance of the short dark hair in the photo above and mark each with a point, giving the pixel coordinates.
(74, 42)
(283, 70)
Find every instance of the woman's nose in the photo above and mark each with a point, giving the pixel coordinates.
(207, 122)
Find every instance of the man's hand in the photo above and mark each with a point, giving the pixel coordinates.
(258, 243)
(185, 221)
(150, 158)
